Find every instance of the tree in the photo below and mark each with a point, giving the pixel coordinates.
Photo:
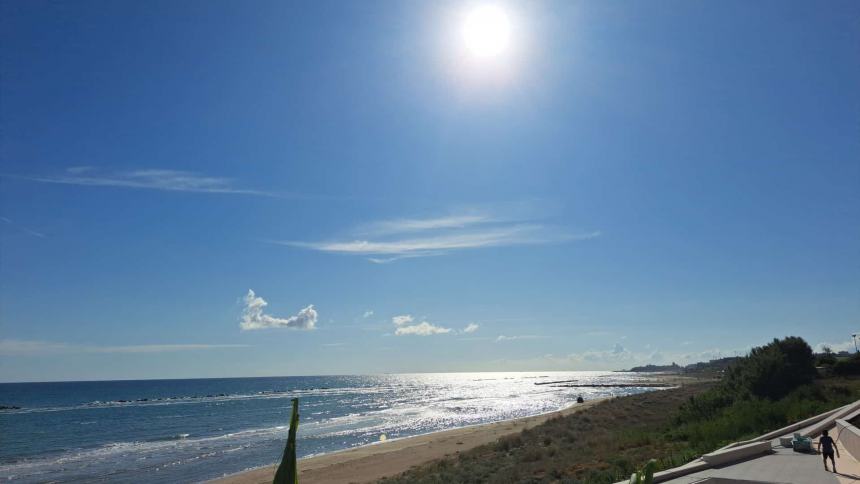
(773, 370)
(826, 357)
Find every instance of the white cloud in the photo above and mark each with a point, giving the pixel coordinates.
(13, 347)
(402, 319)
(421, 329)
(392, 240)
(367, 314)
(471, 328)
(152, 179)
(404, 326)
(253, 316)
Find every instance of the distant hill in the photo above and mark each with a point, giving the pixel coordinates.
(658, 368)
(710, 366)
(701, 367)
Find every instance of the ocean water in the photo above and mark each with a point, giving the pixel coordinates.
(194, 430)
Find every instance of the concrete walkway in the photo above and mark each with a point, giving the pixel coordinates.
(783, 466)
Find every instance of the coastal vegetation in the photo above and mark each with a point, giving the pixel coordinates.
(776, 384)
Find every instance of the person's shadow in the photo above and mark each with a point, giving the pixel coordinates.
(850, 476)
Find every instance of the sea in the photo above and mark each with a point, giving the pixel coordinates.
(195, 430)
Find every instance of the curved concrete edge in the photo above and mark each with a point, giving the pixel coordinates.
(741, 452)
(851, 416)
(676, 472)
(815, 430)
(789, 428)
(848, 436)
(670, 474)
(716, 458)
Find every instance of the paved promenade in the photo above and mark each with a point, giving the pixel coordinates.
(783, 466)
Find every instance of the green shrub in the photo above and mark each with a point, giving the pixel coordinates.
(848, 367)
(646, 474)
(773, 370)
(826, 358)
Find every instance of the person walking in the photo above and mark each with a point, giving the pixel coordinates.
(829, 446)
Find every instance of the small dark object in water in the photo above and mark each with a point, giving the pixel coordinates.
(579, 400)
(9, 407)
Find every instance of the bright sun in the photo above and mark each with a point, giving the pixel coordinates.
(487, 31)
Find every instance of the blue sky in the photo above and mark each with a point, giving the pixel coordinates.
(194, 189)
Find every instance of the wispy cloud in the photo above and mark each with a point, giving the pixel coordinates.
(160, 348)
(618, 354)
(254, 317)
(367, 314)
(404, 225)
(26, 230)
(502, 337)
(151, 179)
(471, 328)
(16, 347)
(392, 240)
(599, 333)
(405, 326)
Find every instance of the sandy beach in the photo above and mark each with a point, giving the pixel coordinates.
(371, 462)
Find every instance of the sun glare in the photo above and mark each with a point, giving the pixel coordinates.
(486, 31)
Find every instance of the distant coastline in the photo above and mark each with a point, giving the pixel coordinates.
(712, 366)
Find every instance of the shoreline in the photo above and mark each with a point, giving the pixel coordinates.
(371, 462)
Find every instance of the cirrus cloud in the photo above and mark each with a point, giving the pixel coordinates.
(17, 347)
(149, 179)
(391, 240)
